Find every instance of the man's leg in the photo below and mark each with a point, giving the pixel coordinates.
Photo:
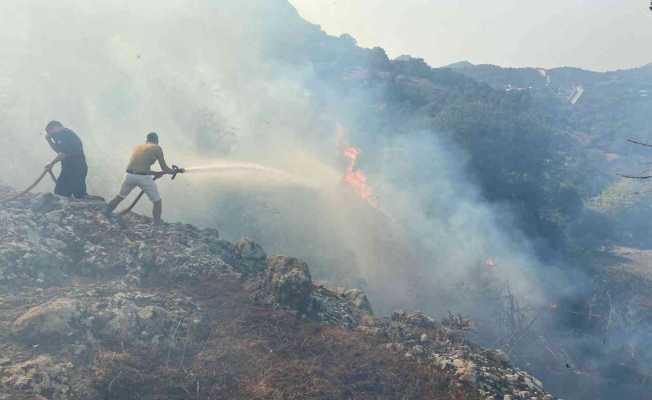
(62, 187)
(149, 186)
(77, 171)
(126, 188)
(113, 204)
(157, 212)
(82, 191)
(59, 188)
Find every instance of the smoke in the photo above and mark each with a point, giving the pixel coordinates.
(241, 93)
(219, 82)
(238, 93)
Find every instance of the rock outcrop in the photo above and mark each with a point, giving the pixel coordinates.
(95, 309)
(288, 282)
(52, 321)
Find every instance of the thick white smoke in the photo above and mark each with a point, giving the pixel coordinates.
(211, 77)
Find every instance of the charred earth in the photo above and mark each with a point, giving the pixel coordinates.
(94, 309)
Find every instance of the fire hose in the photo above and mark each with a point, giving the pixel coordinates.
(46, 171)
(175, 171)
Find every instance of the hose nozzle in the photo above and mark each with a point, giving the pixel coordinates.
(177, 170)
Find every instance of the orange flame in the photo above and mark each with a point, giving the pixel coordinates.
(354, 177)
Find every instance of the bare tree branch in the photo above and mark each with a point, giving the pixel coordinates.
(639, 143)
(635, 177)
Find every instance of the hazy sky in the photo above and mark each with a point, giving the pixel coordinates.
(595, 34)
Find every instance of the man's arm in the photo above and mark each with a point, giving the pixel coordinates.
(60, 155)
(50, 140)
(163, 164)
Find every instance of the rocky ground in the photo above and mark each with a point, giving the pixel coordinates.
(98, 309)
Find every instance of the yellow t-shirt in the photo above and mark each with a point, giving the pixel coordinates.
(144, 156)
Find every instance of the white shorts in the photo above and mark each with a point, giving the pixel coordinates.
(144, 182)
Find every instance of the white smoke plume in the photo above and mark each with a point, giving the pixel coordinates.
(214, 80)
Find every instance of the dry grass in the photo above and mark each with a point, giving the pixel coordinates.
(257, 353)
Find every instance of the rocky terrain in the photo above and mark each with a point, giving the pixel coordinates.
(98, 309)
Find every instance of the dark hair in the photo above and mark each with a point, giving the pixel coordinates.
(152, 137)
(53, 124)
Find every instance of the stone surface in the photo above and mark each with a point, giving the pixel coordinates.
(288, 281)
(252, 256)
(80, 293)
(359, 299)
(51, 321)
(40, 376)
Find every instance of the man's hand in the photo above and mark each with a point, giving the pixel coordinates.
(59, 157)
(50, 165)
(159, 174)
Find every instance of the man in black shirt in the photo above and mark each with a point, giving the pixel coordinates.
(70, 152)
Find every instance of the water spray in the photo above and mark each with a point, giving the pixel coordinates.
(246, 167)
(236, 166)
(217, 168)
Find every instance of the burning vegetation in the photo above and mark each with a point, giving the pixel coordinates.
(354, 177)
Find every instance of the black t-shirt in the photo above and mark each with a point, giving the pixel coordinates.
(68, 143)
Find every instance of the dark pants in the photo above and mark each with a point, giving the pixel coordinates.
(72, 180)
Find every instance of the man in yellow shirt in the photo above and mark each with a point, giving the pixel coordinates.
(140, 175)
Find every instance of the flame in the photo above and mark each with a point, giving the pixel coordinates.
(354, 177)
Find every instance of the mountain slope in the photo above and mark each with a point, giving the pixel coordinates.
(91, 309)
(600, 111)
(606, 106)
(258, 74)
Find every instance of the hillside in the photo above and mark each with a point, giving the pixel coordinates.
(600, 111)
(493, 195)
(92, 309)
(604, 108)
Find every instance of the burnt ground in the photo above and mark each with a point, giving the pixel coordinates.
(246, 351)
(97, 309)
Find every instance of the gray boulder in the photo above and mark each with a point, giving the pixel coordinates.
(54, 320)
(288, 282)
(252, 257)
(46, 202)
(41, 376)
(359, 299)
